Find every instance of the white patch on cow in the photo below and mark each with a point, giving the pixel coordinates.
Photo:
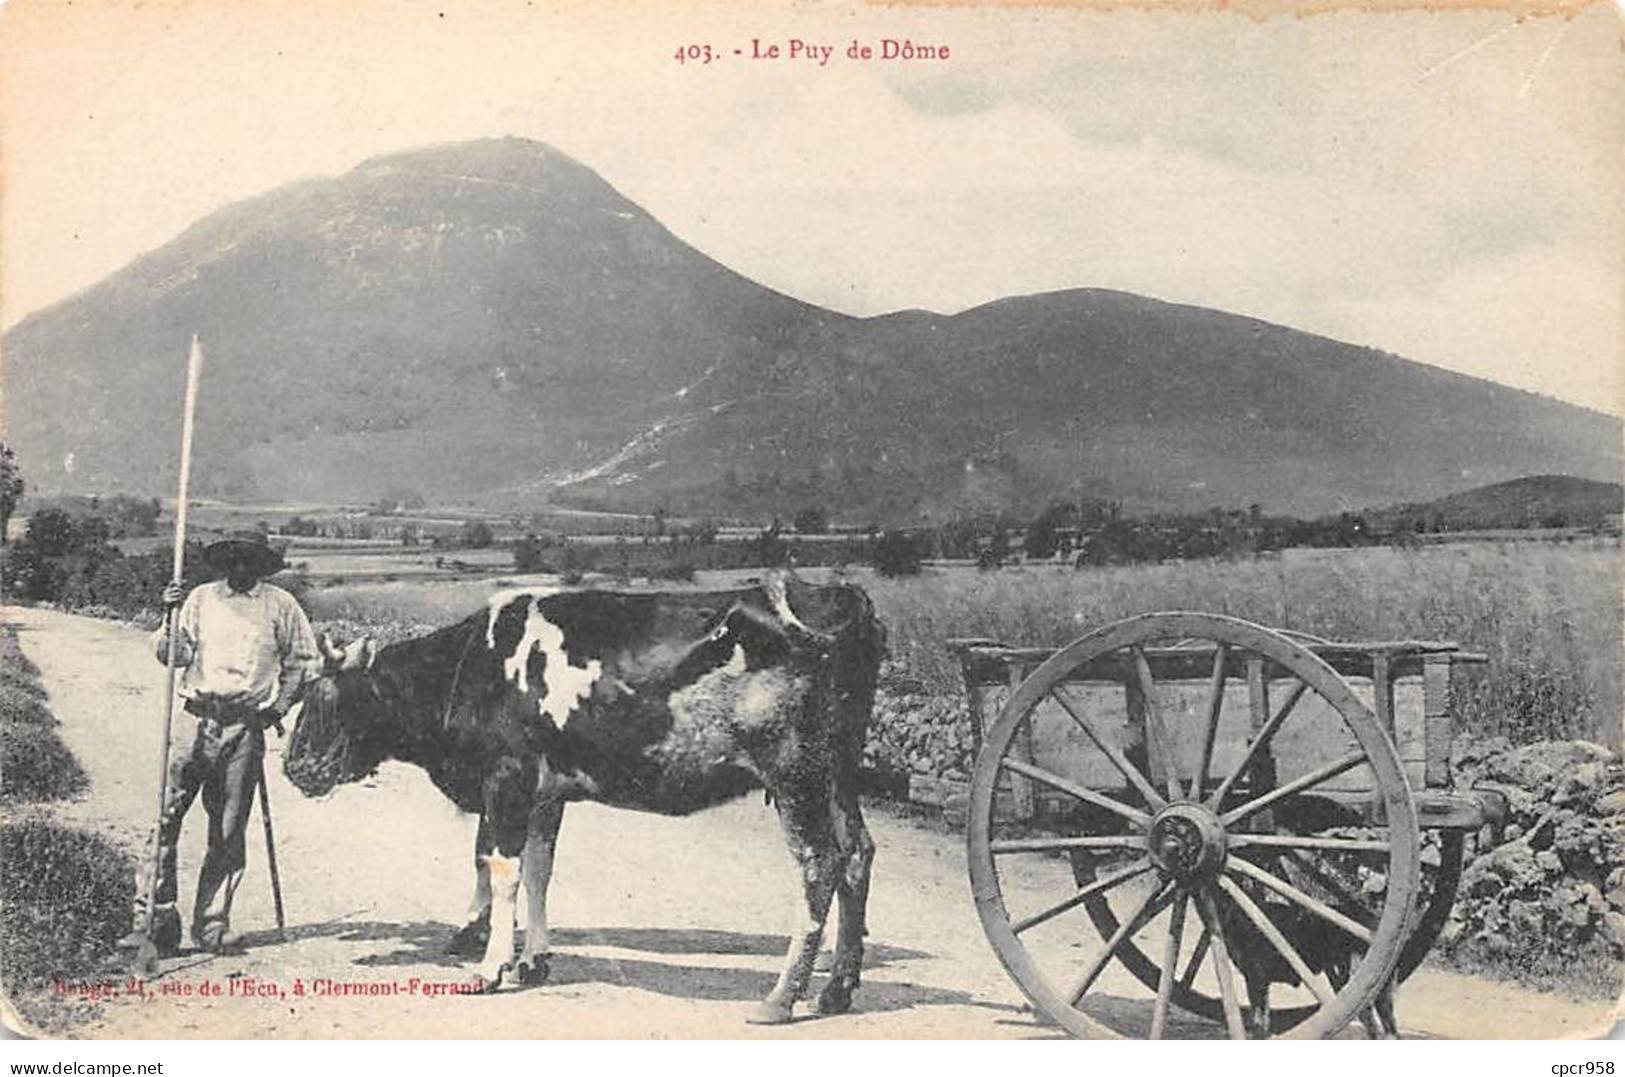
(761, 696)
(499, 602)
(721, 681)
(504, 875)
(563, 685)
(778, 595)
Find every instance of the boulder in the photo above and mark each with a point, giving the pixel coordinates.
(1613, 929)
(1610, 803)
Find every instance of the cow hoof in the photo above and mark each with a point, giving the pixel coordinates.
(835, 998)
(489, 984)
(470, 941)
(770, 1013)
(532, 973)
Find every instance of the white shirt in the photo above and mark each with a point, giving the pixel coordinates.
(251, 647)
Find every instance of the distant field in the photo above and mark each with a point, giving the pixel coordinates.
(1549, 616)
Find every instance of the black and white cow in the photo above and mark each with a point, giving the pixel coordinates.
(666, 703)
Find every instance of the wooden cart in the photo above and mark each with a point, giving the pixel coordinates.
(1269, 790)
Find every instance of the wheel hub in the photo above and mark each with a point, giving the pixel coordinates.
(1187, 842)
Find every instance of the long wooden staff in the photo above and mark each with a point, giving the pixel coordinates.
(270, 854)
(146, 957)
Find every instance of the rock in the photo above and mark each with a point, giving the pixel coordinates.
(1549, 860)
(1514, 862)
(1610, 803)
(1526, 917)
(1513, 832)
(1613, 929)
(1571, 906)
(1478, 881)
(1580, 785)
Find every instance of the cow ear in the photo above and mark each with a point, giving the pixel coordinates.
(357, 655)
(332, 656)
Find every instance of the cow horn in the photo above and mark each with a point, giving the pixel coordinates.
(330, 651)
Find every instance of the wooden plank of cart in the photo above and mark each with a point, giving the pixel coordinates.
(1181, 801)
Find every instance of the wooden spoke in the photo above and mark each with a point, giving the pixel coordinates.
(1156, 730)
(1099, 886)
(1110, 750)
(1267, 928)
(1297, 785)
(1293, 894)
(1209, 911)
(1197, 955)
(1072, 789)
(1044, 845)
(1305, 841)
(1215, 704)
(1170, 963)
(1148, 907)
(1258, 743)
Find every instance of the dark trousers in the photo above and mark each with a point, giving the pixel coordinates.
(224, 764)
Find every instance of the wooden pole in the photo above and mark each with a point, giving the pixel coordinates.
(270, 855)
(147, 954)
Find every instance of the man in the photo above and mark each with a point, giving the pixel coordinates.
(246, 648)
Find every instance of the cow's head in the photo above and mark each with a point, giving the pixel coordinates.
(340, 735)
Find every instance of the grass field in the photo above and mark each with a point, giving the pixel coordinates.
(1549, 616)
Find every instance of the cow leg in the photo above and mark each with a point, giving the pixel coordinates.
(810, 833)
(470, 941)
(539, 846)
(1381, 1022)
(852, 893)
(1258, 1006)
(507, 807)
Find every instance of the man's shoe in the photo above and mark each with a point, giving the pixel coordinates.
(166, 933)
(221, 941)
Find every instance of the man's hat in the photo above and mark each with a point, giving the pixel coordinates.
(252, 546)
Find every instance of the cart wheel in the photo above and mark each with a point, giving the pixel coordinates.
(1225, 849)
(1438, 887)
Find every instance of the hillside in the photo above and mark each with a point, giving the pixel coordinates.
(1536, 501)
(492, 323)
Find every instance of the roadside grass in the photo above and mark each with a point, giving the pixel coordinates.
(35, 765)
(65, 899)
(1588, 975)
(65, 894)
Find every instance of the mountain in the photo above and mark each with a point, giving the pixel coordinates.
(1536, 501)
(491, 322)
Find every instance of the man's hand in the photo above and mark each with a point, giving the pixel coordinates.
(174, 595)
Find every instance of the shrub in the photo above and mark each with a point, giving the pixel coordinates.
(678, 569)
(897, 554)
(812, 520)
(65, 899)
(475, 535)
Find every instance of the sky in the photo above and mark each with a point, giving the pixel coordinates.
(1444, 185)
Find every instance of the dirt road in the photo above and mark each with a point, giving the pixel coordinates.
(666, 928)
